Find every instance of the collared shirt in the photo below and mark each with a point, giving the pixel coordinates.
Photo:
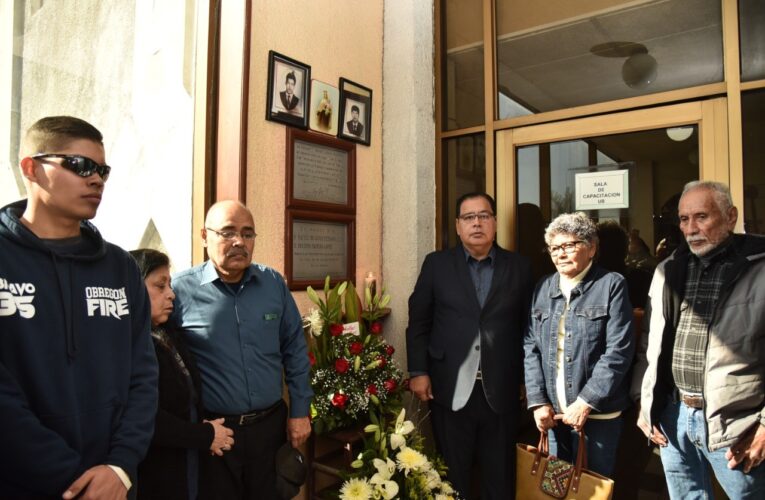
(481, 274)
(243, 339)
(703, 285)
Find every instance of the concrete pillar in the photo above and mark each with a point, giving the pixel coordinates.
(409, 190)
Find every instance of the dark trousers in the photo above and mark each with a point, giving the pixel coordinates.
(477, 432)
(248, 470)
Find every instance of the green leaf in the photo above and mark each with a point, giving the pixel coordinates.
(385, 300)
(351, 304)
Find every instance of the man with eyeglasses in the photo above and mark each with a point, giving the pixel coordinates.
(241, 322)
(78, 373)
(467, 316)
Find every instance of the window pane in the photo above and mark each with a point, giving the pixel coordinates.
(649, 167)
(575, 53)
(464, 172)
(128, 68)
(751, 23)
(753, 115)
(463, 64)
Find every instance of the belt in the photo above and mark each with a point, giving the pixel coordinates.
(691, 401)
(479, 376)
(250, 418)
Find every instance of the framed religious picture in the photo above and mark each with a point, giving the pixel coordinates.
(288, 90)
(321, 172)
(355, 112)
(324, 106)
(319, 245)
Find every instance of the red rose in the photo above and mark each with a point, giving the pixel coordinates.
(372, 389)
(376, 328)
(335, 329)
(339, 400)
(311, 358)
(356, 348)
(390, 385)
(389, 350)
(341, 365)
(382, 361)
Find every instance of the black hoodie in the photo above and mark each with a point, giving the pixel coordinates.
(77, 366)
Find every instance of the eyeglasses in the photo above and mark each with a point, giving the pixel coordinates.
(567, 248)
(80, 165)
(229, 235)
(472, 216)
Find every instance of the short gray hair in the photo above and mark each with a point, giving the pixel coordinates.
(576, 224)
(720, 193)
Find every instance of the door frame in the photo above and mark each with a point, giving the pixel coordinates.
(710, 116)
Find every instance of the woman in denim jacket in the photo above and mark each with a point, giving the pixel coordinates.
(579, 346)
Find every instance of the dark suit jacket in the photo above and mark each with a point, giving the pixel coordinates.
(444, 317)
(289, 104)
(355, 130)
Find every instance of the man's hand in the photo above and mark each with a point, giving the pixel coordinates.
(97, 483)
(420, 387)
(576, 414)
(655, 435)
(298, 430)
(544, 417)
(750, 450)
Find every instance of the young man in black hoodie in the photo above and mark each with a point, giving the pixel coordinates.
(77, 367)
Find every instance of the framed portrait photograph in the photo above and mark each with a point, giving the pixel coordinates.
(324, 107)
(355, 112)
(288, 90)
(319, 245)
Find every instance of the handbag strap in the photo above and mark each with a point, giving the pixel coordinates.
(581, 461)
(543, 449)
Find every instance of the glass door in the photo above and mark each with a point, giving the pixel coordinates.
(628, 168)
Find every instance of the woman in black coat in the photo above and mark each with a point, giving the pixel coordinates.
(170, 469)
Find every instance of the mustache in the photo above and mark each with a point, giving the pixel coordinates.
(234, 252)
(691, 239)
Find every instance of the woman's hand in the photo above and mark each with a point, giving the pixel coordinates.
(544, 416)
(576, 414)
(223, 439)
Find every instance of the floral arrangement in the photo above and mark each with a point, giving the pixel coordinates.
(394, 464)
(352, 366)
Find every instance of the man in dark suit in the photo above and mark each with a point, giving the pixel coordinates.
(355, 127)
(467, 315)
(288, 97)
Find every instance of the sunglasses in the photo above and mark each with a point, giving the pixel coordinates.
(80, 165)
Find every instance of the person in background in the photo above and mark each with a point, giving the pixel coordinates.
(171, 467)
(78, 374)
(579, 346)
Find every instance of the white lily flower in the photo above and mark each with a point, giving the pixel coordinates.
(384, 469)
(386, 489)
(403, 427)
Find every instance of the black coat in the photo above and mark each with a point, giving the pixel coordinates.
(163, 473)
(445, 315)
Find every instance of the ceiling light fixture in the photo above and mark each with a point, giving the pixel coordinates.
(679, 134)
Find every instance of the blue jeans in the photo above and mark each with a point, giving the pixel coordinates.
(687, 461)
(602, 443)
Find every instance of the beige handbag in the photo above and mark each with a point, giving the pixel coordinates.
(541, 476)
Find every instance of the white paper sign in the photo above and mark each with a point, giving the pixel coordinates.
(600, 190)
(352, 328)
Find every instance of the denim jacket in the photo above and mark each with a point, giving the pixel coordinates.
(599, 343)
